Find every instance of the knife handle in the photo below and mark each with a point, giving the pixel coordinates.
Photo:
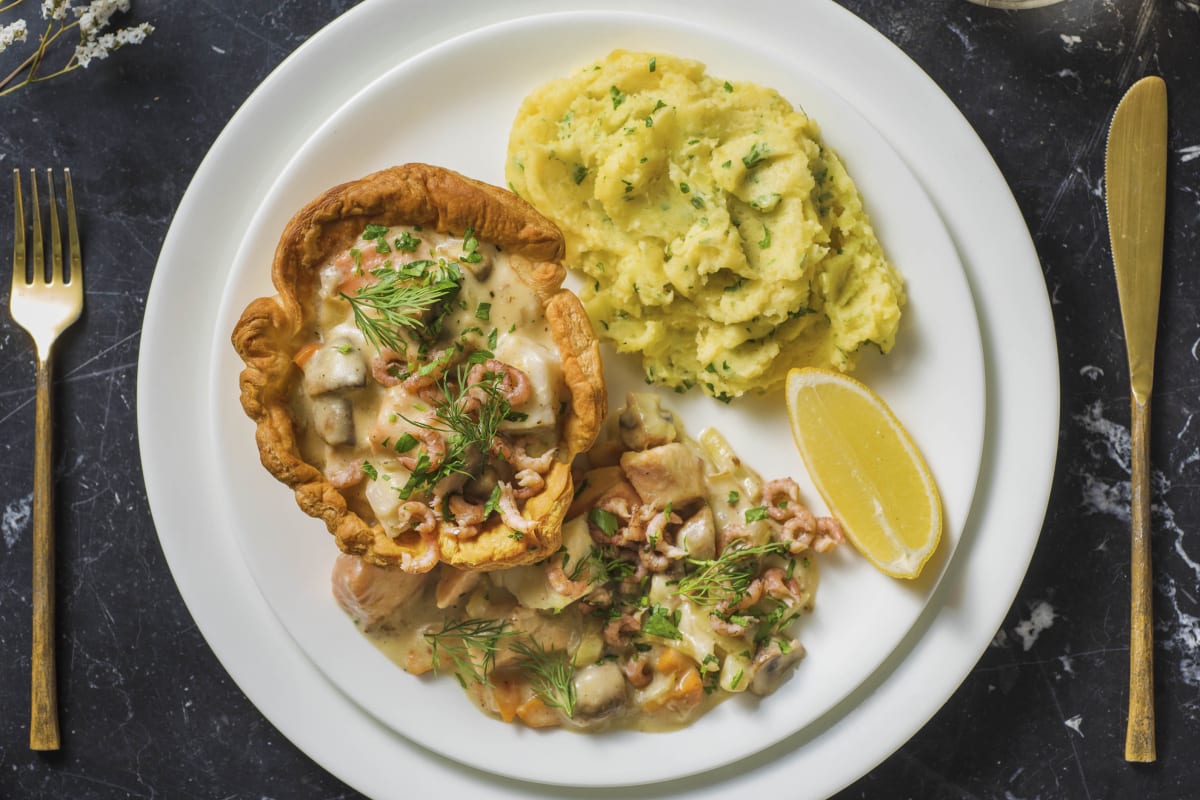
(1139, 735)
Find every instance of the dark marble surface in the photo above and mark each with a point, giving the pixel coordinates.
(149, 712)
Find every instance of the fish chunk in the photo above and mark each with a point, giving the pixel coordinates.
(669, 473)
(370, 594)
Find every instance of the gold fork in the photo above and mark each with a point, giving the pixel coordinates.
(44, 308)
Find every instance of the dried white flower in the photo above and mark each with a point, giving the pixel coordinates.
(134, 35)
(55, 9)
(95, 49)
(15, 32)
(93, 18)
(101, 47)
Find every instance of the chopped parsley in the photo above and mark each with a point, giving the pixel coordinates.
(663, 622)
(471, 254)
(606, 521)
(378, 233)
(406, 242)
(493, 503)
(755, 514)
(756, 156)
(404, 443)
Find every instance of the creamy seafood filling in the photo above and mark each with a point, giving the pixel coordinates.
(432, 386)
(680, 582)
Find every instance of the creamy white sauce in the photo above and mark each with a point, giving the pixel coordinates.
(494, 310)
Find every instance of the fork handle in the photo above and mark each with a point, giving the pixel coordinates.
(43, 717)
(1139, 733)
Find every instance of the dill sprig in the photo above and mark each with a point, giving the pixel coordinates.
(465, 431)
(471, 645)
(726, 578)
(401, 299)
(601, 565)
(551, 673)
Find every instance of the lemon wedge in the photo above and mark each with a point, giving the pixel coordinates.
(866, 468)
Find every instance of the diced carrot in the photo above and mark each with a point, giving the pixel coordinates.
(690, 687)
(305, 353)
(507, 694)
(686, 693)
(418, 660)
(536, 714)
(672, 661)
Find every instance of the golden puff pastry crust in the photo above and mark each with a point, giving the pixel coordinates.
(272, 329)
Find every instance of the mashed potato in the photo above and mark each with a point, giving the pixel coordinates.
(720, 237)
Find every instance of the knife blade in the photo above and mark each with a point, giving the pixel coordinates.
(1135, 196)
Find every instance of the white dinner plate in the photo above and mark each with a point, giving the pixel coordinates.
(862, 614)
(230, 532)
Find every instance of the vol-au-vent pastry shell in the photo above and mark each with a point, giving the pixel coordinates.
(273, 331)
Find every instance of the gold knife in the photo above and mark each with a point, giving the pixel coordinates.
(1135, 176)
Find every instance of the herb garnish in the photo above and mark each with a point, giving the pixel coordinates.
(606, 521)
(402, 299)
(493, 502)
(726, 578)
(464, 431)
(552, 673)
(663, 622)
(755, 514)
(471, 645)
(471, 254)
(756, 155)
(602, 566)
(378, 233)
(406, 243)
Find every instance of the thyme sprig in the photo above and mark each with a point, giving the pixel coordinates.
(551, 674)
(471, 645)
(726, 578)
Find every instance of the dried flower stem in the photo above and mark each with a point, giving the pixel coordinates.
(89, 20)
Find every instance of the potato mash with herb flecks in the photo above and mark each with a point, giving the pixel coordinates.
(719, 236)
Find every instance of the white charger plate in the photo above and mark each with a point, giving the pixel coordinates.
(863, 614)
(868, 722)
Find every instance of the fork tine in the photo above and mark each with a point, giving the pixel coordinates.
(56, 253)
(72, 231)
(39, 258)
(18, 277)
